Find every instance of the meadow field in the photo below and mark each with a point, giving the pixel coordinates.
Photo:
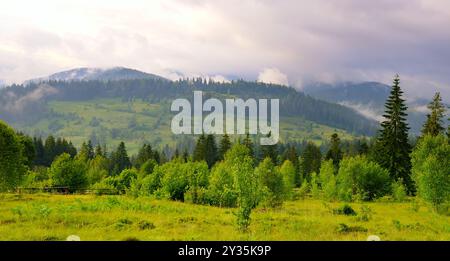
(54, 217)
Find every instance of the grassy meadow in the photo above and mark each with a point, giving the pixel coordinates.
(54, 217)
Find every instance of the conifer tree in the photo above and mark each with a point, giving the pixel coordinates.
(120, 160)
(247, 142)
(393, 149)
(225, 145)
(334, 152)
(434, 125)
(210, 150)
(200, 149)
(270, 151)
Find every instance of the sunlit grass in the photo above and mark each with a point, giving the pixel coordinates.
(54, 217)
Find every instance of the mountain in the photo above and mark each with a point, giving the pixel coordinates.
(2, 83)
(368, 98)
(138, 110)
(98, 74)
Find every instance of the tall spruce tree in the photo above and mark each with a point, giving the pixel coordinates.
(225, 145)
(200, 149)
(434, 124)
(393, 149)
(270, 151)
(210, 150)
(249, 144)
(119, 160)
(334, 152)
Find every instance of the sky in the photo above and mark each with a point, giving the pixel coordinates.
(290, 42)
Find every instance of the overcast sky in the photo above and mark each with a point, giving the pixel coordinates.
(289, 42)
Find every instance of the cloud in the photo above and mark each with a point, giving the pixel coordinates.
(364, 110)
(306, 40)
(273, 75)
(220, 78)
(16, 105)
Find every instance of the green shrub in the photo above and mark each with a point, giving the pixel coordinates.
(66, 171)
(345, 210)
(147, 168)
(271, 181)
(361, 178)
(303, 191)
(398, 191)
(288, 173)
(221, 190)
(431, 170)
(328, 180)
(315, 186)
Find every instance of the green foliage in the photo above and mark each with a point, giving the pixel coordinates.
(97, 169)
(221, 191)
(310, 160)
(303, 190)
(272, 182)
(335, 152)
(434, 124)
(66, 171)
(245, 182)
(151, 183)
(393, 148)
(328, 180)
(12, 167)
(431, 169)
(288, 173)
(292, 156)
(147, 168)
(315, 186)
(398, 191)
(362, 178)
(345, 209)
(225, 145)
(119, 160)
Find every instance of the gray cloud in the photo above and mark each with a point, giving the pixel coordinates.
(305, 40)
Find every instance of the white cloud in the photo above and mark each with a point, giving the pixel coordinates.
(273, 75)
(306, 40)
(220, 78)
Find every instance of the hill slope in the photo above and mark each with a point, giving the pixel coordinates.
(98, 74)
(138, 110)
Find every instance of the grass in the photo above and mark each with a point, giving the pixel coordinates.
(54, 217)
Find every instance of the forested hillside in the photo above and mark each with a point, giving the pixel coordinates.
(44, 108)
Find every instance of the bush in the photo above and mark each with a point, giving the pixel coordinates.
(315, 187)
(97, 170)
(345, 210)
(287, 171)
(221, 190)
(147, 168)
(271, 181)
(152, 182)
(303, 190)
(361, 178)
(328, 180)
(66, 171)
(431, 170)
(398, 191)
